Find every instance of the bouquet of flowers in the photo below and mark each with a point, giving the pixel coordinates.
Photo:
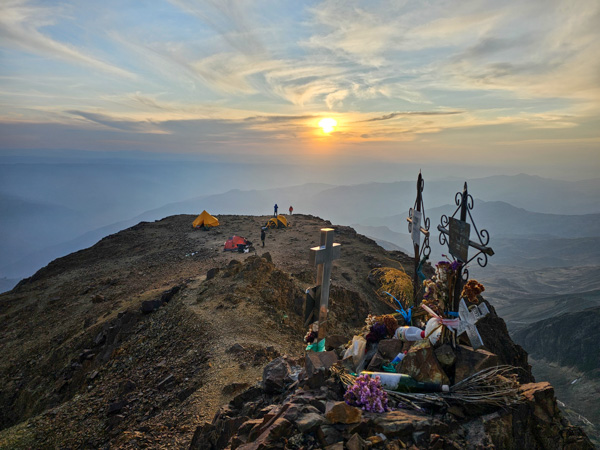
(367, 394)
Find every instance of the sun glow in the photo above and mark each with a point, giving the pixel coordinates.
(327, 124)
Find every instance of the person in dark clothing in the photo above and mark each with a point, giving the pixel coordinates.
(291, 210)
(262, 235)
(275, 208)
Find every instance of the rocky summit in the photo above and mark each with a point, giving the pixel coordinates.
(157, 338)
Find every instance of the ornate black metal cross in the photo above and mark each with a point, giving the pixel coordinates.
(456, 233)
(417, 224)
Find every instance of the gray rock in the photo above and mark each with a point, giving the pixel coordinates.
(328, 435)
(275, 375)
(212, 273)
(236, 348)
(149, 306)
(115, 407)
(309, 422)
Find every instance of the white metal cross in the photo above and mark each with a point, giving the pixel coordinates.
(468, 320)
(323, 257)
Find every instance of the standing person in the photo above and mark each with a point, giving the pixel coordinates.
(275, 208)
(262, 235)
(291, 210)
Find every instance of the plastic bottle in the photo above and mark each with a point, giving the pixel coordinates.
(405, 383)
(399, 357)
(409, 334)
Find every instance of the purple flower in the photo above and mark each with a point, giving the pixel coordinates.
(367, 394)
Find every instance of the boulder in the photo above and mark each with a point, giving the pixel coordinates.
(272, 435)
(470, 361)
(375, 363)
(445, 356)
(334, 341)
(356, 443)
(211, 273)
(403, 423)
(389, 348)
(277, 375)
(497, 340)
(341, 412)
(317, 366)
(328, 435)
(168, 295)
(309, 422)
(421, 364)
(149, 306)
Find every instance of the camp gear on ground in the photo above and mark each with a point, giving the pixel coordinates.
(205, 220)
(405, 383)
(277, 222)
(237, 243)
(409, 334)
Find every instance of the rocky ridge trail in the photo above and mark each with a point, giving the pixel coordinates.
(85, 367)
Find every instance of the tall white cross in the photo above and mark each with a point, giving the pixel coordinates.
(323, 257)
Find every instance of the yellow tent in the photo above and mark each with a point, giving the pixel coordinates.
(279, 222)
(205, 220)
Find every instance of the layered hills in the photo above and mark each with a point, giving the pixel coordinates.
(139, 339)
(564, 350)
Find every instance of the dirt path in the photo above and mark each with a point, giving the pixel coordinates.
(247, 325)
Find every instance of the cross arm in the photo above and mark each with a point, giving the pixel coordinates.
(482, 248)
(423, 230)
(321, 255)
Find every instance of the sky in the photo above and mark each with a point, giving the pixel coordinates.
(511, 84)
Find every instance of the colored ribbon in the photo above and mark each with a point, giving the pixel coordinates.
(407, 315)
(450, 323)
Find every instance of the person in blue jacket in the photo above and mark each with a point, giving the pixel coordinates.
(275, 208)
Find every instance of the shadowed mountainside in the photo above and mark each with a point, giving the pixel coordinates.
(139, 339)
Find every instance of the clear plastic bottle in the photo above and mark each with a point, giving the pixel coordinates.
(409, 334)
(401, 382)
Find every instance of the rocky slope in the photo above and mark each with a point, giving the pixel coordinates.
(139, 340)
(568, 344)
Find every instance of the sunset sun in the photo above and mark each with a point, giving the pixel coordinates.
(327, 124)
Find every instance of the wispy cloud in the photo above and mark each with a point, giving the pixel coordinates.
(231, 74)
(230, 19)
(413, 113)
(20, 24)
(119, 124)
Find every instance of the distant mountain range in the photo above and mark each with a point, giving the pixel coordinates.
(502, 219)
(29, 242)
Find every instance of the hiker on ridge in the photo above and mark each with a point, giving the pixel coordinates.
(291, 210)
(275, 208)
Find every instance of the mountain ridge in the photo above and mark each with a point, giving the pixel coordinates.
(141, 337)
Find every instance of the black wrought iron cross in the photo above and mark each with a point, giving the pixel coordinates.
(457, 232)
(417, 224)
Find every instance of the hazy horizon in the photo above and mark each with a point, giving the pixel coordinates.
(112, 110)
